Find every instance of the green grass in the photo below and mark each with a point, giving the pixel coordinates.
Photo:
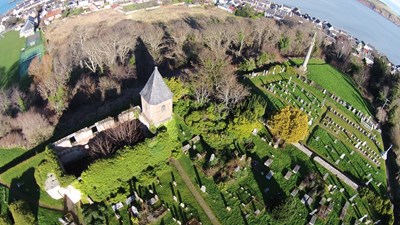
(356, 168)
(24, 173)
(48, 217)
(137, 6)
(28, 55)
(336, 82)
(7, 155)
(10, 49)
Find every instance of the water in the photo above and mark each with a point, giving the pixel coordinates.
(356, 19)
(5, 6)
(393, 4)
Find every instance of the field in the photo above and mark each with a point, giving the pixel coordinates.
(59, 31)
(10, 49)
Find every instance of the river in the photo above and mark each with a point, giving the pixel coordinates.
(5, 5)
(358, 20)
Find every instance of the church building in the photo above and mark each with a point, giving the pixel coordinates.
(156, 100)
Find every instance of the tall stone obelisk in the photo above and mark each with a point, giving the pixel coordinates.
(304, 66)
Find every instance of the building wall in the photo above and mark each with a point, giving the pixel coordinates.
(157, 114)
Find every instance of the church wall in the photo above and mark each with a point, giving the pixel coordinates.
(155, 113)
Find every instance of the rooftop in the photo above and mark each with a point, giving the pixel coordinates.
(156, 91)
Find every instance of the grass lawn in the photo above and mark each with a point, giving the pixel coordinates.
(24, 174)
(353, 164)
(7, 155)
(336, 82)
(10, 49)
(48, 217)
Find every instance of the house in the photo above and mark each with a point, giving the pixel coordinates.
(52, 15)
(29, 28)
(33, 40)
(83, 3)
(156, 100)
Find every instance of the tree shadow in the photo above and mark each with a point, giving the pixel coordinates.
(25, 187)
(275, 195)
(144, 61)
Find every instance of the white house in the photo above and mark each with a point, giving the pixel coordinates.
(28, 29)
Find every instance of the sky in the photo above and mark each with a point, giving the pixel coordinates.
(393, 4)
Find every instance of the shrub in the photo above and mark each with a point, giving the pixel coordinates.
(108, 177)
(290, 124)
(48, 165)
(21, 213)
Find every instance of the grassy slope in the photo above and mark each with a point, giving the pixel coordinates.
(7, 155)
(337, 83)
(10, 49)
(24, 172)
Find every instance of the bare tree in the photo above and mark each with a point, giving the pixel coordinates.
(106, 84)
(107, 142)
(5, 125)
(34, 126)
(153, 37)
(178, 32)
(202, 86)
(229, 91)
(127, 133)
(4, 101)
(342, 47)
(50, 75)
(242, 36)
(101, 146)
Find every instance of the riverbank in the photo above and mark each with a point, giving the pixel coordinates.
(382, 9)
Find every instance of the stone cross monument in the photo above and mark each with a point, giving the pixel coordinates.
(304, 66)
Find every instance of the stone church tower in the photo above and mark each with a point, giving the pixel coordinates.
(156, 100)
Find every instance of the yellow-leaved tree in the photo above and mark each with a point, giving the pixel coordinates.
(289, 125)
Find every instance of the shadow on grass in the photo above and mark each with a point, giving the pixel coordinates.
(272, 193)
(25, 188)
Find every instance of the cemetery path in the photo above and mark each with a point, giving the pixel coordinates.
(210, 214)
(312, 155)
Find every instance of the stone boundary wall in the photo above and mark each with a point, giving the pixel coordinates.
(327, 166)
(336, 172)
(82, 137)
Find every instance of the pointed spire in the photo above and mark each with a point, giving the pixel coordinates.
(156, 91)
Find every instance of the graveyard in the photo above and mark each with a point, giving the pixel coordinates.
(255, 183)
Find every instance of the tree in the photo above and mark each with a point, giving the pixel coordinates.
(35, 127)
(50, 76)
(95, 213)
(247, 11)
(289, 124)
(342, 47)
(107, 142)
(178, 87)
(230, 91)
(21, 213)
(4, 220)
(289, 212)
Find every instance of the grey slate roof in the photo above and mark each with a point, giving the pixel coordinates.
(156, 91)
(29, 25)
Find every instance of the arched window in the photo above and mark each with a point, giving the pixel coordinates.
(162, 108)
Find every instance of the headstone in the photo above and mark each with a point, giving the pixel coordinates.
(203, 189)
(269, 175)
(212, 157)
(175, 198)
(326, 176)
